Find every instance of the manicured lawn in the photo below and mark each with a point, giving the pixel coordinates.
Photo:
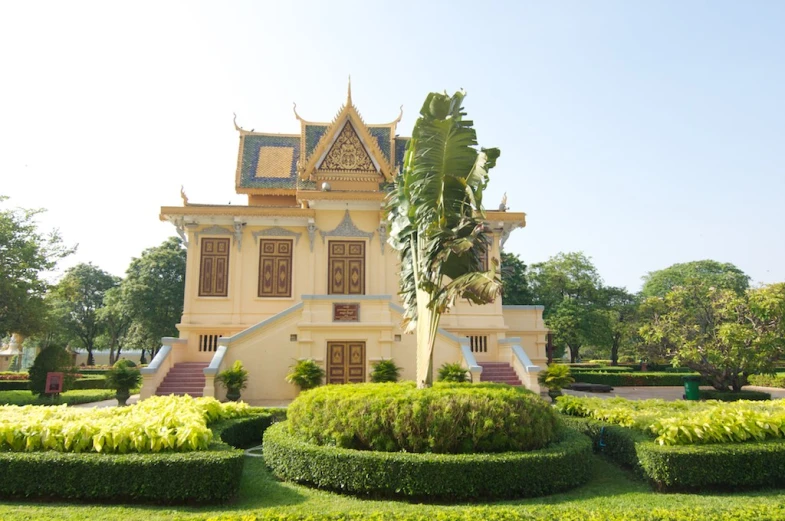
(70, 397)
(611, 490)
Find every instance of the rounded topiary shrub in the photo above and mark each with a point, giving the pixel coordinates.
(53, 359)
(447, 418)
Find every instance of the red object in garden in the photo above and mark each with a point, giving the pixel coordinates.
(54, 383)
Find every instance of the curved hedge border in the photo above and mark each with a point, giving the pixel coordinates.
(563, 465)
(167, 477)
(689, 467)
(247, 431)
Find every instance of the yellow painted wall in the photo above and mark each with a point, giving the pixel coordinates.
(268, 351)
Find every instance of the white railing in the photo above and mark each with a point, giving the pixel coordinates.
(153, 374)
(215, 366)
(471, 363)
(524, 368)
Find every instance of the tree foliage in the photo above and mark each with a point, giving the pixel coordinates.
(26, 254)
(80, 293)
(116, 320)
(569, 287)
(707, 272)
(436, 217)
(723, 335)
(153, 292)
(620, 310)
(515, 282)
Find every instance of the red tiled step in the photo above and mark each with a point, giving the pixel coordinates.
(183, 378)
(498, 372)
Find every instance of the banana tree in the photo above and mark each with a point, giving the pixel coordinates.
(437, 222)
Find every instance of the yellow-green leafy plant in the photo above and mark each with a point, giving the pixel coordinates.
(171, 423)
(686, 423)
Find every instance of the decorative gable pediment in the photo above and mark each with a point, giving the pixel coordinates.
(348, 154)
(347, 147)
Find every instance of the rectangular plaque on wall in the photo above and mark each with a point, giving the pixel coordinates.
(343, 312)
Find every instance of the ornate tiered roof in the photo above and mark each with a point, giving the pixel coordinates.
(346, 151)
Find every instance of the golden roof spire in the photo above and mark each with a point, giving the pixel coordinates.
(349, 93)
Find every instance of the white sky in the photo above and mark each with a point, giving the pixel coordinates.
(643, 134)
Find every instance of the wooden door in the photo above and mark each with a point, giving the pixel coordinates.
(346, 270)
(345, 362)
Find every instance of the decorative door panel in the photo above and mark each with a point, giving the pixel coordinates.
(345, 362)
(346, 268)
(275, 268)
(214, 268)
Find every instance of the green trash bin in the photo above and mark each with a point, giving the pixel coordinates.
(691, 387)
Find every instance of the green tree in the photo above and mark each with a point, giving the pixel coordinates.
(620, 308)
(153, 292)
(569, 287)
(116, 320)
(515, 284)
(81, 293)
(436, 216)
(26, 254)
(723, 335)
(708, 272)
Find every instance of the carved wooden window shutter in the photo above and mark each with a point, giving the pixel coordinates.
(214, 268)
(275, 267)
(346, 275)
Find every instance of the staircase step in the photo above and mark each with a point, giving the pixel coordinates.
(183, 378)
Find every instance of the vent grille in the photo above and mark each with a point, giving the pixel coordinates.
(478, 343)
(208, 343)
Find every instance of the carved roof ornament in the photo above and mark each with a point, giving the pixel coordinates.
(503, 205)
(183, 196)
(346, 228)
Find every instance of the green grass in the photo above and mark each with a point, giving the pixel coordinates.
(69, 397)
(611, 489)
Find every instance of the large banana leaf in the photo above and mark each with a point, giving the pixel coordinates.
(436, 217)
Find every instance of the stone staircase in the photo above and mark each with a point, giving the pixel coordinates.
(498, 372)
(183, 378)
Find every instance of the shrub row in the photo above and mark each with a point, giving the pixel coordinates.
(632, 379)
(446, 418)
(733, 396)
(247, 432)
(90, 382)
(543, 512)
(766, 380)
(725, 466)
(203, 476)
(562, 465)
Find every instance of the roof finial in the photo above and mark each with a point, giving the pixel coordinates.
(349, 93)
(295, 112)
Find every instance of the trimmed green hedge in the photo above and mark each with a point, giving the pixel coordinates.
(446, 418)
(563, 465)
(90, 382)
(724, 466)
(766, 380)
(175, 477)
(247, 431)
(542, 512)
(632, 379)
(733, 396)
(615, 442)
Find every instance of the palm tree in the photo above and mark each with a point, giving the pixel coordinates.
(436, 222)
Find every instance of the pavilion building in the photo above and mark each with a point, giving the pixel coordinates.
(304, 271)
